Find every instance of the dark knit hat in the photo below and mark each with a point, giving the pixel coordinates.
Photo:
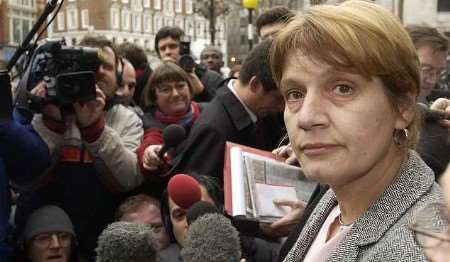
(47, 219)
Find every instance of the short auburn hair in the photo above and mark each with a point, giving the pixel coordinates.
(357, 37)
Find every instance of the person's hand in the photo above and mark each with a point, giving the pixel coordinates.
(90, 112)
(151, 160)
(287, 153)
(442, 104)
(197, 86)
(49, 110)
(284, 225)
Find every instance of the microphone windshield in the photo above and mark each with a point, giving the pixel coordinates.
(199, 209)
(124, 241)
(173, 135)
(184, 190)
(211, 238)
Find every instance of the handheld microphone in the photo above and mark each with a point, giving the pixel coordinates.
(199, 209)
(211, 238)
(184, 190)
(172, 135)
(124, 241)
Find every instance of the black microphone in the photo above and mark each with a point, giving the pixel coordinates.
(429, 114)
(124, 241)
(211, 238)
(172, 135)
(199, 209)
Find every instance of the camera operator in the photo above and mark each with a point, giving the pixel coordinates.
(169, 46)
(23, 155)
(93, 154)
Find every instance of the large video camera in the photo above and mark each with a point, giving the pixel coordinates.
(68, 72)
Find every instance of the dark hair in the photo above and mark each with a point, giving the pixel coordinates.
(428, 36)
(167, 71)
(99, 41)
(133, 53)
(257, 64)
(168, 31)
(214, 190)
(276, 14)
(134, 203)
(234, 69)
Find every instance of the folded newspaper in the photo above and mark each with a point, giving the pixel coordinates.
(256, 179)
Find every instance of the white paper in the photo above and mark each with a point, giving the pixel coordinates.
(237, 182)
(265, 195)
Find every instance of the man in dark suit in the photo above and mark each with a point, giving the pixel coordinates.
(232, 116)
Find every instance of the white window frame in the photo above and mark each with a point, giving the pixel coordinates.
(147, 20)
(178, 6)
(188, 6)
(157, 4)
(115, 18)
(60, 21)
(137, 22)
(146, 3)
(85, 18)
(72, 13)
(125, 19)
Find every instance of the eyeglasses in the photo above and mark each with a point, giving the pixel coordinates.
(429, 71)
(167, 88)
(44, 240)
(431, 231)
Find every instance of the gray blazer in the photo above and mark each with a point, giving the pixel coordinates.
(381, 233)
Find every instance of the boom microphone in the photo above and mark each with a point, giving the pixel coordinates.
(172, 135)
(211, 238)
(199, 209)
(184, 190)
(124, 241)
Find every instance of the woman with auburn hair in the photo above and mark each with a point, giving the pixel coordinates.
(167, 99)
(349, 75)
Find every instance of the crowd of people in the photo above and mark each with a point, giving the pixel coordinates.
(343, 91)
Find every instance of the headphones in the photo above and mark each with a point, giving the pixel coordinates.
(119, 74)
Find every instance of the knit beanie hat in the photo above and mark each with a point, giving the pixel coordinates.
(47, 219)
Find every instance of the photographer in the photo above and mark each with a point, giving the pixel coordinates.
(169, 46)
(93, 153)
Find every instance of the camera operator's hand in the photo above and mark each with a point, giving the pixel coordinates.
(90, 112)
(197, 86)
(49, 110)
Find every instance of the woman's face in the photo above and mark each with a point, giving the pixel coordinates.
(173, 98)
(178, 217)
(340, 125)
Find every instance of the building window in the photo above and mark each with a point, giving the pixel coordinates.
(125, 1)
(158, 23)
(85, 18)
(178, 6)
(157, 4)
(19, 28)
(443, 6)
(137, 23)
(147, 23)
(179, 23)
(72, 19)
(74, 41)
(114, 18)
(147, 3)
(125, 20)
(188, 6)
(60, 21)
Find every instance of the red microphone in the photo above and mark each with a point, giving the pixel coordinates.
(184, 190)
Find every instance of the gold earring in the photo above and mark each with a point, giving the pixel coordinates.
(400, 136)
